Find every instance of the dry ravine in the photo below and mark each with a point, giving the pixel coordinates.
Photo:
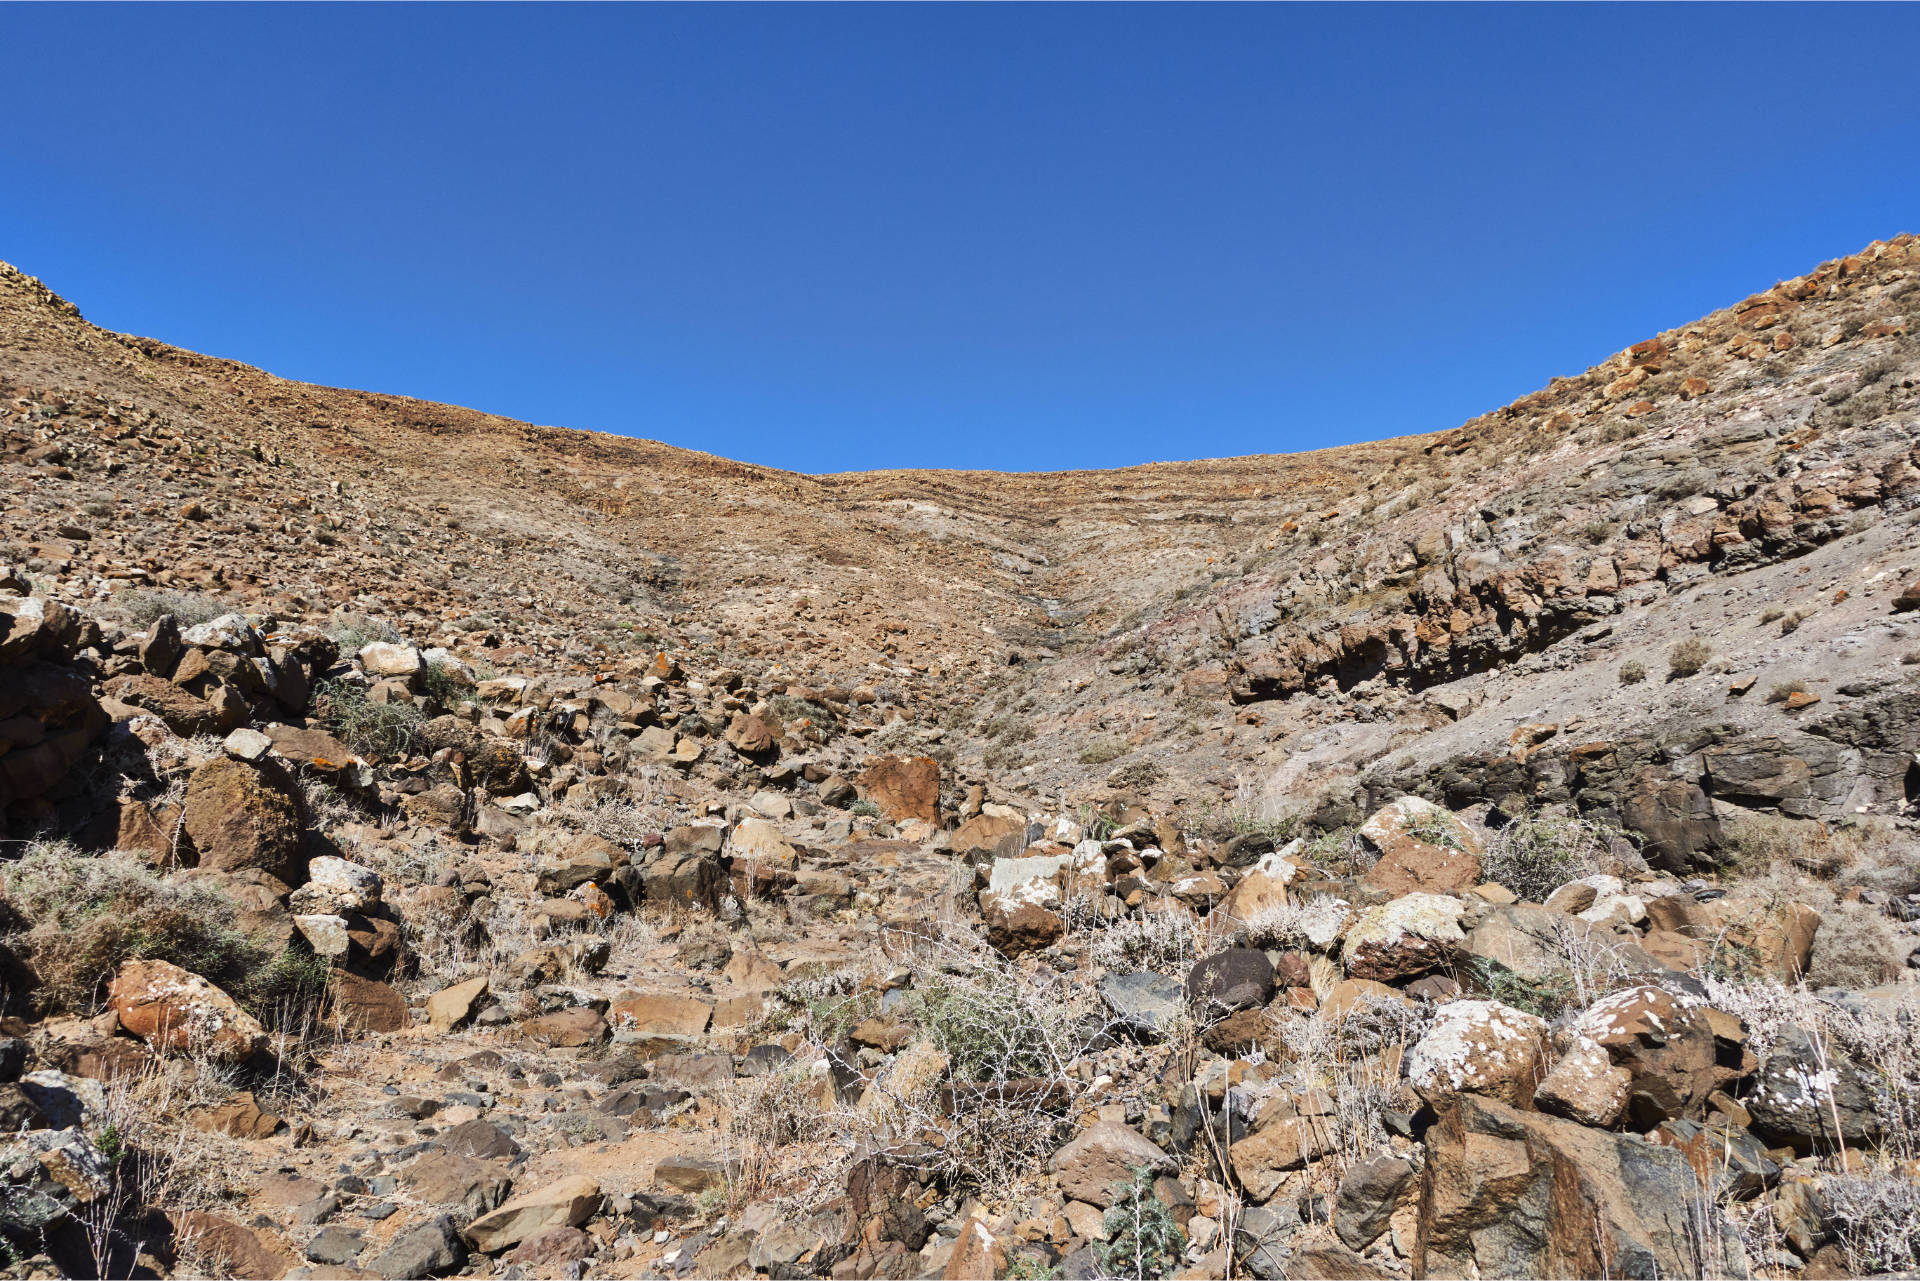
(433, 844)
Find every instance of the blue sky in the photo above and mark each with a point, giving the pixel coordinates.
(1021, 237)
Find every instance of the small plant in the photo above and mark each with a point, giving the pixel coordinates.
(1687, 658)
(1142, 1238)
(1436, 829)
(1791, 622)
(143, 607)
(445, 684)
(1102, 750)
(1597, 530)
(1632, 672)
(865, 809)
(354, 632)
(1773, 613)
(370, 728)
(1911, 658)
(1031, 1267)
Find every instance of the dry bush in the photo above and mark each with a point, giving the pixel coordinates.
(1534, 855)
(1855, 947)
(1313, 923)
(1161, 941)
(1346, 1056)
(1875, 1218)
(1632, 672)
(143, 607)
(75, 918)
(1687, 657)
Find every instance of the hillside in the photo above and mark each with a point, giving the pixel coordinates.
(440, 843)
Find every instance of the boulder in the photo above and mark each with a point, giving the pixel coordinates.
(367, 1005)
(177, 1011)
(692, 1174)
(1507, 1193)
(238, 1251)
(1368, 1194)
(241, 815)
(1480, 1047)
(1014, 927)
(450, 1006)
(1665, 1042)
(687, 878)
(1106, 1153)
(567, 1203)
(1410, 935)
(1675, 821)
(1810, 1096)
(1584, 1085)
(1535, 944)
(1143, 1002)
(1423, 847)
(1239, 978)
(1284, 1141)
(660, 1015)
(391, 661)
(903, 787)
(429, 1250)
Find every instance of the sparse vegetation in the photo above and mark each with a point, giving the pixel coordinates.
(1143, 1240)
(370, 728)
(1102, 750)
(74, 918)
(1783, 690)
(143, 607)
(1632, 672)
(1687, 658)
(1534, 855)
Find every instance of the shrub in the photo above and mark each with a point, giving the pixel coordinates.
(865, 809)
(1161, 941)
(1535, 855)
(1791, 623)
(1854, 947)
(1102, 750)
(1632, 672)
(370, 728)
(1143, 1240)
(1784, 690)
(445, 684)
(79, 917)
(1773, 613)
(1688, 657)
(143, 607)
(1876, 1220)
(354, 632)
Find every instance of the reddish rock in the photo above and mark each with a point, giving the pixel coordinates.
(177, 1011)
(903, 787)
(241, 816)
(1015, 927)
(367, 1005)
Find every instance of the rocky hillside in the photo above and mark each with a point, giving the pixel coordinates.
(438, 844)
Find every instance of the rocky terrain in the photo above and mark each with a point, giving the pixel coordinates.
(437, 844)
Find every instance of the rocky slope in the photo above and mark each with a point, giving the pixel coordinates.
(440, 844)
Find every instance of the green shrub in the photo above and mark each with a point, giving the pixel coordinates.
(370, 728)
(1687, 658)
(865, 809)
(75, 918)
(445, 684)
(1143, 1240)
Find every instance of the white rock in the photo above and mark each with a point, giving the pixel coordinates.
(247, 744)
(381, 658)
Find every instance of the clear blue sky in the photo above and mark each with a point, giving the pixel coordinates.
(1000, 236)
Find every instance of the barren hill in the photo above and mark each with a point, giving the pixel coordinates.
(439, 844)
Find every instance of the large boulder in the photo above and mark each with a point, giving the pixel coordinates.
(1810, 1096)
(1538, 945)
(1507, 1193)
(567, 1203)
(177, 1011)
(1106, 1153)
(1665, 1041)
(1480, 1047)
(1675, 820)
(1422, 847)
(241, 815)
(1411, 935)
(1240, 978)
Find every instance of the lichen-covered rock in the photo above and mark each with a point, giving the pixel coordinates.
(1422, 847)
(178, 1012)
(1809, 1095)
(1411, 935)
(1584, 1085)
(1665, 1041)
(1480, 1047)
